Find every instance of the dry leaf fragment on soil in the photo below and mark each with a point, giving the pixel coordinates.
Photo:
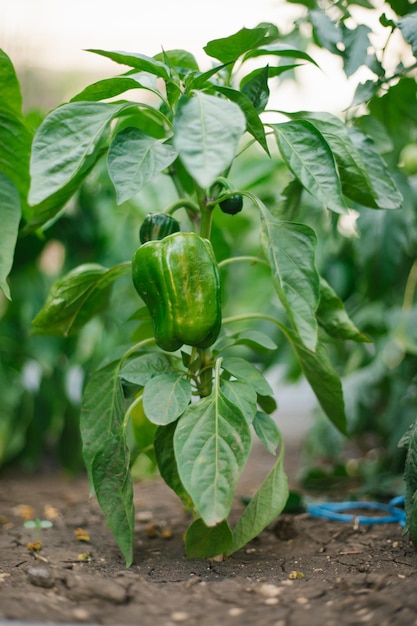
(82, 535)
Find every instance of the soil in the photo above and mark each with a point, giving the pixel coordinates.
(300, 570)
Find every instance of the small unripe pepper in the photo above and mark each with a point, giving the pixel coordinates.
(178, 279)
(232, 205)
(158, 226)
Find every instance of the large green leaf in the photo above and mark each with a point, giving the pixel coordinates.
(10, 218)
(134, 159)
(212, 442)
(290, 249)
(311, 160)
(141, 369)
(207, 131)
(263, 508)
(355, 174)
(106, 453)
(75, 298)
(66, 139)
(44, 212)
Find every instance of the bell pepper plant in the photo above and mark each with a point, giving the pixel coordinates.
(194, 398)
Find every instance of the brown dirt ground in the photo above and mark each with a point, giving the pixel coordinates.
(299, 570)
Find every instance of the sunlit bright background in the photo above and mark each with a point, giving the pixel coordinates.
(52, 36)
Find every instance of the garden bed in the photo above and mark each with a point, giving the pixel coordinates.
(300, 569)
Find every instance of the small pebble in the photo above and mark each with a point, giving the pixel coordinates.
(144, 516)
(179, 616)
(41, 577)
(81, 614)
(269, 591)
(235, 611)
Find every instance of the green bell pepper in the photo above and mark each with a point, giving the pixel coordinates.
(178, 279)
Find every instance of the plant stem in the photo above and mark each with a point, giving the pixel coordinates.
(136, 347)
(253, 316)
(182, 203)
(249, 259)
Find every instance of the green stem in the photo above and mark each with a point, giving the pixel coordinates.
(253, 316)
(205, 374)
(136, 348)
(410, 287)
(182, 203)
(247, 258)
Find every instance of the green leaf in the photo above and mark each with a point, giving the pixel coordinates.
(281, 50)
(309, 157)
(333, 317)
(229, 49)
(364, 92)
(256, 79)
(141, 369)
(75, 298)
(202, 542)
(354, 176)
(408, 28)
(10, 218)
(167, 465)
(111, 87)
(243, 395)
(290, 248)
(179, 59)
(106, 453)
(207, 130)
(135, 159)
(322, 378)
(356, 42)
(267, 403)
(43, 212)
(267, 431)
(265, 506)
(254, 125)
(166, 397)
(387, 193)
(11, 97)
(15, 137)
(326, 32)
(242, 369)
(65, 140)
(256, 89)
(138, 61)
(211, 442)
(255, 339)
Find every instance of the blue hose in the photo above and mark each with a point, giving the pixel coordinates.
(335, 511)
